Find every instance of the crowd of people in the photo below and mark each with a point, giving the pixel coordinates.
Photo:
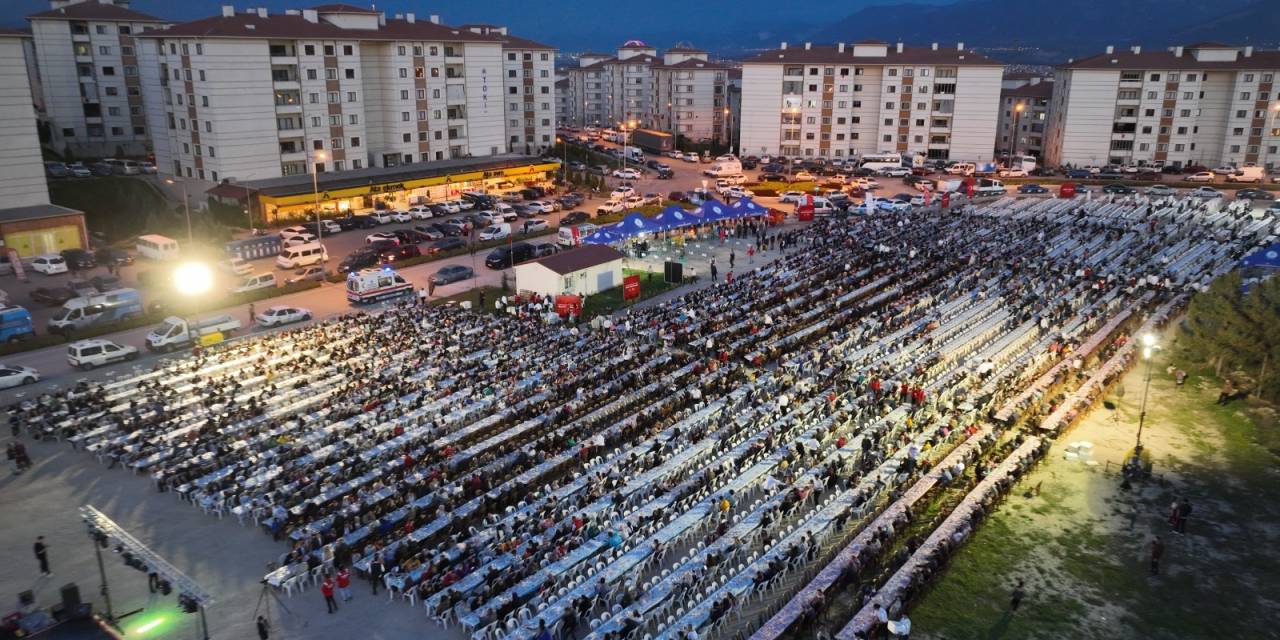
(655, 472)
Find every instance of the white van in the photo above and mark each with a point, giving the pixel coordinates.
(255, 282)
(724, 166)
(157, 247)
(87, 354)
(572, 236)
(1248, 174)
(124, 167)
(303, 255)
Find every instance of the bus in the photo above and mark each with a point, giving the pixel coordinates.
(882, 160)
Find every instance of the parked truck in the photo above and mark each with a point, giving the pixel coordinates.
(109, 308)
(177, 333)
(657, 142)
(987, 187)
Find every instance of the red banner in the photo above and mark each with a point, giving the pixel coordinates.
(1067, 190)
(566, 305)
(631, 287)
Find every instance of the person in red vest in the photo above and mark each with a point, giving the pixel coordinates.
(344, 583)
(326, 588)
(875, 387)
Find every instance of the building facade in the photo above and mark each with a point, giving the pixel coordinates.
(254, 95)
(1024, 115)
(868, 97)
(589, 92)
(88, 63)
(1205, 104)
(691, 96)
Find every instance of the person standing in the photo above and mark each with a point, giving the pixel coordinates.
(344, 583)
(20, 457)
(714, 272)
(42, 554)
(264, 628)
(1157, 551)
(1183, 512)
(252, 313)
(326, 588)
(1018, 594)
(377, 569)
(731, 257)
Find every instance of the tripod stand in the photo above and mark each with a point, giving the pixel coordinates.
(266, 610)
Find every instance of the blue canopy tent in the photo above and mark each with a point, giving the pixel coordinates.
(713, 210)
(1266, 258)
(674, 217)
(745, 208)
(635, 224)
(603, 235)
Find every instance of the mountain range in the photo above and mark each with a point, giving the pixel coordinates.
(1051, 30)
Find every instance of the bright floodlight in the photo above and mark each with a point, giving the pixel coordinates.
(192, 278)
(1148, 340)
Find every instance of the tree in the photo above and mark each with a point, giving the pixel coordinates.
(1228, 327)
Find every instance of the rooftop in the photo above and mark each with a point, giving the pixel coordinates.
(35, 212)
(1037, 90)
(94, 11)
(693, 64)
(298, 184)
(910, 55)
(1169, 59)
(582, 257)
(343, 8)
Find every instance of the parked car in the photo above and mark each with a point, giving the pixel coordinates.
(56, 170)
(1200, 176)
(542, 206)
(380, 217)
(430, 231)
(791, 197)
(421, 213)
(87, 354)
(898, 172)
(495, 232)
(280, 315)
(447, 244)
(52, 296)
(1160, 190)
(1012, 173)
(78, 259)
(803, 176)
(1031, 188)
(401, 216)
(574, 217)
(690, 157)
(314, 273)
(49, 264)
(15, 376)
(78, 170)
(1118, 189)
(534, 226)
(504, 257)
(402, 252)
(113, 255)
(452, 273)
(626, 174)
(678, 196)
(357, 260)
(1079, 174)
(105, 283)
(1205, 192)
(101, 169)
(381, 235)
(544, 249)
(1254, 194)
(147, 168)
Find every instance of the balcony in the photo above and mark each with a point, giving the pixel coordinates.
(293, 156)
(453, 59)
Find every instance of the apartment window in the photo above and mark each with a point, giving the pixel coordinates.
(111, 91)
(349, 74)
(404, 116)
(108, 71)
(888, 138)
(204, 101)
(309, 49)
(104, 50)
(355, 141)
(334, 98)
(355, 164)
(68, 132)
(335, 120)
(328, 49)
(1151, 95)
(318, 145)
(422, 114)
(1245, 95)
(101, 29)
(208, 126)
(434, 51)
(422, 94)
(1185, 113)
(353, 119)
(330, 73)
(347, 50)
(211, 153)
(893, 73)
(404, 73)
(335, 143)
(888, 105)
(351, 96)
(888, 122)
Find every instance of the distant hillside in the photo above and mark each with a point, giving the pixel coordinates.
(1069, 27)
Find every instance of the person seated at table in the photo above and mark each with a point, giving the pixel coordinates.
(630, 623)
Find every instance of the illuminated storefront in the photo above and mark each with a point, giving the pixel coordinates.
(292, 198)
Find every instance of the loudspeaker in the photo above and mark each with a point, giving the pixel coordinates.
(673, 272)
(70, 596)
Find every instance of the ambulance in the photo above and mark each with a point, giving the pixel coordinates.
(372, 285)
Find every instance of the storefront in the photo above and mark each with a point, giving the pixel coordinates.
(293, 198)
(41, 229)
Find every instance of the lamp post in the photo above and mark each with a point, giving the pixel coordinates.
(1013, 141)
(186, 204)
(728, 127)
(315, 191)
(1148, 347)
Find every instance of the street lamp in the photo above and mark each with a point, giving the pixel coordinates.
(1148, 347)
(186, 205)
(1013, 141)
(315, 190)
(728, 127)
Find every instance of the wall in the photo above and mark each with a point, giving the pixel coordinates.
(22, 181)
(761, 109)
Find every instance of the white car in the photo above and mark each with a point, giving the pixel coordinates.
(793, 197)
(49, 264)
(534, 226)
(380, 235)
(278, 315)
(496, 232)
(803, 176)
(381, 217)
(301, 238)
(147, 167)
(612, 206)
(450, 206)
(621, 193)
(1205, 192)
(690, 157)
(917, 200)
(463, 205)
(17, 376)
(87, 354)
(898, 172)
(1011, 173)
(1203, 176)
(401, 216)
(1161, 190)
(289, 232)
(633, 201)
(236, 266)
(674, 154)
(739, 192)
(420, 213)
(542, 206)
(626, 174)
(1225, 170)
(735, 179)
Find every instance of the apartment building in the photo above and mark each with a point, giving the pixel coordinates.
(29, 225)
(1208, 104)
(589, 91)
(691, 96)
(564, 106)
(255, 95)
(867, 97)
(86, 54)
(1024, 115)
(528, 72)
(630, 80)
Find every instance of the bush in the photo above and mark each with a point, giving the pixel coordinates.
(766, 193)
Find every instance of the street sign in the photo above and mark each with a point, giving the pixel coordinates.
(631, 287)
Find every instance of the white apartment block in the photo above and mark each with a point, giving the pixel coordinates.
(1024, 115)
(86, 54)
(564, 106)
(22, 181)
(851, 100)
(589, 92)
(254, 95)
(1207, 104)
(681, 92)
(691, 97)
